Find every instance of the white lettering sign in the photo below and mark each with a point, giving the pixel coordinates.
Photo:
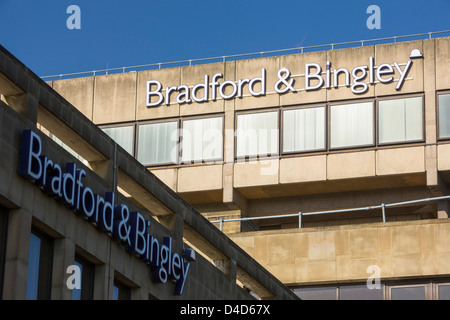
(316, 77)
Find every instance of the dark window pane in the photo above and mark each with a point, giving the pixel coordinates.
(33, 267)
(202, 140)
(408, 293)
(86, 292)
(40, 260)
(121, 292)
(76, 293)
(320, 293)
(360, 292)
(444, 292)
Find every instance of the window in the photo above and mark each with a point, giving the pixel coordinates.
(120, 291)
(158, 143)
(202, 140)
(164, 143)
(400, 120)
(419, 289)
(327, 127)
(257, 134)
(3, 234)
(443, 291)
(86, 292)
(408, 293)
(360, 292)
(351, 125)
(343, 292)
(304, 129)
(39, 267)
(318, 293)
(124, 136)
(444, 115)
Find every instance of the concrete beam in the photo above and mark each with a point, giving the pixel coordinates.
(141, 195)
(251, 284)
(24, 104)
(7, 88)
(17, 251)
(70, 137)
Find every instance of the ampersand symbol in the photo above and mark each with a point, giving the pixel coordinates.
(121, 229)
(283, 75)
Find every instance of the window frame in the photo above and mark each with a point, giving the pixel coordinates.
(438, 93)
(330, 287)
(436, 285)
(157, 121)
(281, 129)
(425, 285)
(121, 125)
(280, 113)
(382, 290)
(276, 110)
(430, 285)
(374, 122)
(181, 136)
(398, 97)
(179, 141)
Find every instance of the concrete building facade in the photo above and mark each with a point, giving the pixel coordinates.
(363, 127)
(80, 218)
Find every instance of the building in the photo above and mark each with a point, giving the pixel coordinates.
(315, 163)
(80, 218)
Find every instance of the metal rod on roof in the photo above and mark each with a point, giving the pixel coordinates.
(300, 215)
(300, 220)
(264, 52)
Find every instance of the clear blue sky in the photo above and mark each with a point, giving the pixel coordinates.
(124, 33)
